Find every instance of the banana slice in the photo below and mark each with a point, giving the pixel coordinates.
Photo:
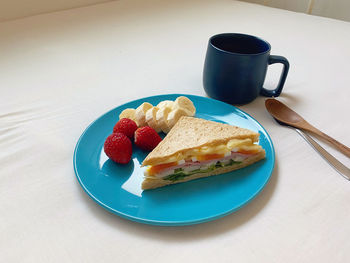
(128, 113)
(161, 118)
(140, 113)
(185, 104)
(151, 118)
(175, 115)
(166, 103)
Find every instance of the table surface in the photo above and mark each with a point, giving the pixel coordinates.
(61, 71)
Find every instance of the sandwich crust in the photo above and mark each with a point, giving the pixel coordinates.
(151, 183)
(190, 133)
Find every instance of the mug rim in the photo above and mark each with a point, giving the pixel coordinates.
(239, 34)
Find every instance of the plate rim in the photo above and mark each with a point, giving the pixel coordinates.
(182, 222)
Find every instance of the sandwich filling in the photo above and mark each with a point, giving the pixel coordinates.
(203, 159)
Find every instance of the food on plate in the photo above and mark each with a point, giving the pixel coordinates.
(126, 126)
(175, 115)
(186, 104)
(140, 113)
(196, 148)
(151, 119)
(147, 138)
(128, 114)
(161, 117)
(118, 148)
(166, 103)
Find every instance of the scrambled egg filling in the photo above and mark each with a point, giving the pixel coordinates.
(204, 153)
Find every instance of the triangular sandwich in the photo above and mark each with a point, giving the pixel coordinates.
(196, 148)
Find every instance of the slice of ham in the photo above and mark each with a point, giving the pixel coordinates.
(197, 164)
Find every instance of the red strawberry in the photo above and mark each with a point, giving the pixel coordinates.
(147, 138)
(126, 126)
(118, 148)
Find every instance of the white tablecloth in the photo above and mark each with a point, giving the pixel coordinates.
(61, 71)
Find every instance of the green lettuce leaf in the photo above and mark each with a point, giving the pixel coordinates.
(180, 174)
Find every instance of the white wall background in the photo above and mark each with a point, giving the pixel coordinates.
(338, 9)
(13, 9)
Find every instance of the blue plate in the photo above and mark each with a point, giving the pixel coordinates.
(118, 187)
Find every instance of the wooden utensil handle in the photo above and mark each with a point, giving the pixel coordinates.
(341, 147)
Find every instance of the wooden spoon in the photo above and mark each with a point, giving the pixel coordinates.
(287, 116)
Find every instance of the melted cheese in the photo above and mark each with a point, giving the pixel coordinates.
(235, 145)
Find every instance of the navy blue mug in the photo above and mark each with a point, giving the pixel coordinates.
(235, 68)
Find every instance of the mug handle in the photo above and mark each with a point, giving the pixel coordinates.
(277, 91)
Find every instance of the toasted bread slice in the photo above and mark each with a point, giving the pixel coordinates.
(190, 133)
